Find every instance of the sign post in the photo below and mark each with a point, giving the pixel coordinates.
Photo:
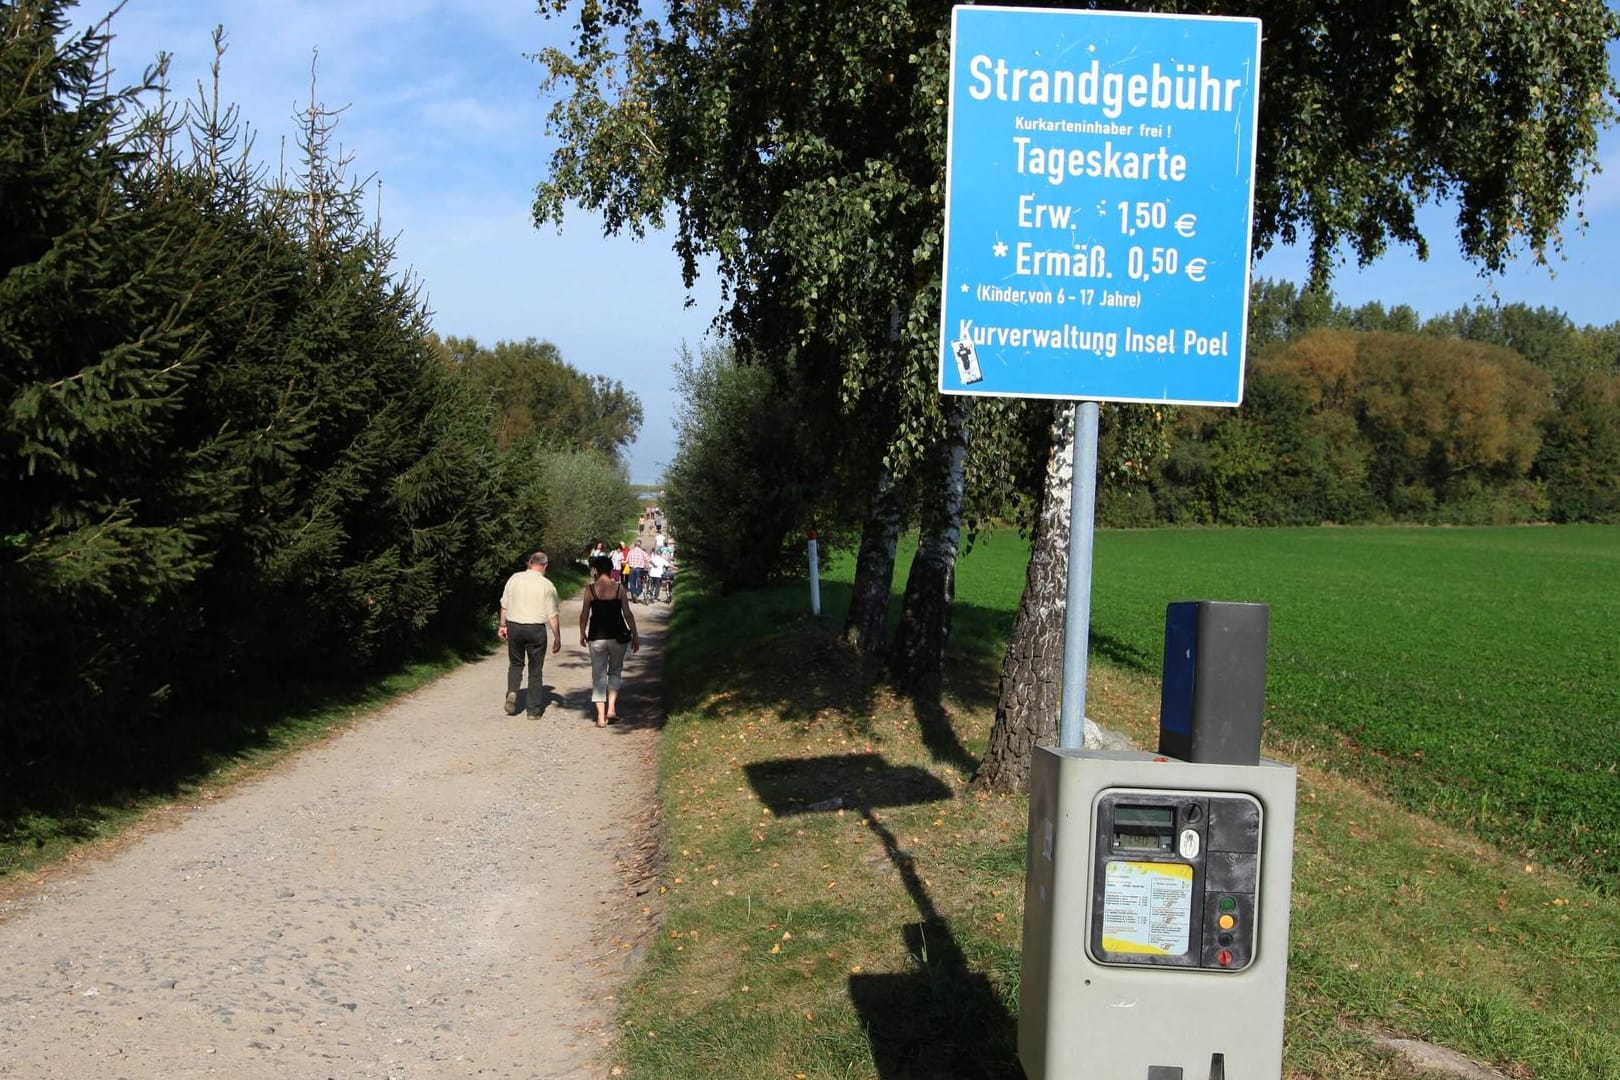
(1098, 220)
(1099, 208)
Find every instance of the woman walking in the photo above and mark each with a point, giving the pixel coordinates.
(606, 626)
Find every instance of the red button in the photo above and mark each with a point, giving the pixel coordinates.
(1224, 958)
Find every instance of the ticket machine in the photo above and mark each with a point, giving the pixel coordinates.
(1157, 890)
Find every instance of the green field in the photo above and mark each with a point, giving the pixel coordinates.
(876, 934)
(1470, 673)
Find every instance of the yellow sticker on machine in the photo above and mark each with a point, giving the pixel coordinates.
(1147, 908)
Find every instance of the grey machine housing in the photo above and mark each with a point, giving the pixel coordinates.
(1155, 917)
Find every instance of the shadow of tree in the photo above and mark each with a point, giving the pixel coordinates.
(73, 792)
(942, 1018)
(1124, 653)
(798, 668)
(939, 734)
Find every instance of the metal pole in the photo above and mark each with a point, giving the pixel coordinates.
(1077, 619)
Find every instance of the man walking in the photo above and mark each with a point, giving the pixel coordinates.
(636, 561)
(528, 606)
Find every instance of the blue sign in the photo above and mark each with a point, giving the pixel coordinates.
(1099, 205)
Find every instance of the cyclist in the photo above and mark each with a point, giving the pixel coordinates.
(669, 575)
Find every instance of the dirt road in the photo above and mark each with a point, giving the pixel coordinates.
(440, 891)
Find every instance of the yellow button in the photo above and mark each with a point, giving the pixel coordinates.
(1227, 922)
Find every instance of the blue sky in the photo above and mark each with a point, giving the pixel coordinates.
(443, 107)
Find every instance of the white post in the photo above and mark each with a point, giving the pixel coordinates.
(815, 577)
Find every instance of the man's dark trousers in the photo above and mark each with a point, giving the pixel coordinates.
(526, 643)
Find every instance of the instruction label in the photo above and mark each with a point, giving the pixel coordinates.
(1147, 908)
(1099, 205)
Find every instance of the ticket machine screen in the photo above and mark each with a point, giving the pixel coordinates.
(1144, 828)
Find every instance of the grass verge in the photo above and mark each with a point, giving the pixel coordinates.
(840, 903)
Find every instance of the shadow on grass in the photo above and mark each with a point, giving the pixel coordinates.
(776, 657)
(810, 785)
(1125, 654)
(941, 1019)
(773, 655)
(939, 736)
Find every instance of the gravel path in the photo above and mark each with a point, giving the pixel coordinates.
(440, 891)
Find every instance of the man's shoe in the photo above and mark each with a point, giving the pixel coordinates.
(511, 703)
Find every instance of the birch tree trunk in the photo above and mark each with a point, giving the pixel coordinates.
(867, 623)
(1032, 671)
(917, 659)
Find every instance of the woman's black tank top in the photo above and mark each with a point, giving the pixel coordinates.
(607, 619)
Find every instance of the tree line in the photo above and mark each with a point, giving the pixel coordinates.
(797, 152)
(232, 453)
(1486, 415)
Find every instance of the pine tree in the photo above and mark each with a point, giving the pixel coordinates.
(228, 451)
(95, 353)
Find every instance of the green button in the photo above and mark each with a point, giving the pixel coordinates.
(1228, 903)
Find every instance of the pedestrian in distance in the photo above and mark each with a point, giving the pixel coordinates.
(618, 554)
(636, 567)
(656, 565)
(607, 627)
(528, 608)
